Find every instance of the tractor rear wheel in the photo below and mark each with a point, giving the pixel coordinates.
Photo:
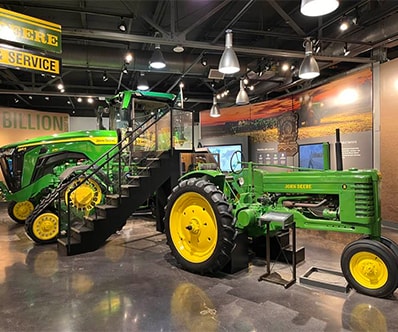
(20, 211)
(44, 228)
(370, 267)
(199, 226)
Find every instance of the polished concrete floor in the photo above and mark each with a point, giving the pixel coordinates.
(133, 284)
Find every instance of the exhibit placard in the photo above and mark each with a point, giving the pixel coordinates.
(24, 59)
(27, 30)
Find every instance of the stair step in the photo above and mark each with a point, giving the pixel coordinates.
(94, 217)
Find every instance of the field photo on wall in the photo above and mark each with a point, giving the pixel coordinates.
(345, 103)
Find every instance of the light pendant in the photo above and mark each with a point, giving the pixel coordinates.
(157, 60)
(229, 63)
(215, 109)
(242, 98)
(318, 7)
(142, 83)
(309, 68)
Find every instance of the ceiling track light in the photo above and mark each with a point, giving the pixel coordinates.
(203, 61)
(105, 76)
(125, 70)
(318, 7)
(128, 58)
(229, 63)
(215, 109)
(157, 59)
(122, 25)
(309, 68)
(346, 50)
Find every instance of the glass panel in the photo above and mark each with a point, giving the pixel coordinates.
(182, 130)
(162, 133)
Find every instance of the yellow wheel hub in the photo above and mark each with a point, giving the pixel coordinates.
(368, 270)
(45, 226)
(22, 210)
(86, 196)
(193, 227)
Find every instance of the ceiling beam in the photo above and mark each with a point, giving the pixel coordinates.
(114, 36)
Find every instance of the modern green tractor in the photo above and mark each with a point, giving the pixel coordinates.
(33, 168)
(208, 209)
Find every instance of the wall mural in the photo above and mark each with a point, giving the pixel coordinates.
(345, 103)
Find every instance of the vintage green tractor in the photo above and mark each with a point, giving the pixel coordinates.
(208, 209)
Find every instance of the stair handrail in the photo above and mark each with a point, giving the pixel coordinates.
(96, 166)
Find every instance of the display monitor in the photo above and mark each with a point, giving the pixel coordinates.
(314, 155)
(226, 152)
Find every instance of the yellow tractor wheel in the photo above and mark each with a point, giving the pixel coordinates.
(370, 267)
(43, 229)
(20, 211)
(199, 226)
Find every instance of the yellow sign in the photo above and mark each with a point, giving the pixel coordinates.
(29, 30)
(19, 58)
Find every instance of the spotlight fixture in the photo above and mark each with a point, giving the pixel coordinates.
(346, 50)
(309, 68)
(242, 98)
(318, 7)
(157, 59)
(60, 86)
(90, 100)
(122, 26)
(79, 99)
(344, 24)
(124, 70)
(128, 57)
(178, 49)
(203, 61)
(104, 76)
(285, 66)
(215, 109)
(229, 63)
(142, 83)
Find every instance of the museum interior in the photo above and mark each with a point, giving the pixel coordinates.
(198, 165)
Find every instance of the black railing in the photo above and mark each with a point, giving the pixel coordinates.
(105, 161)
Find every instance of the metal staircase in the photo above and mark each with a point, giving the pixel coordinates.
(129, 173)
(156, 170)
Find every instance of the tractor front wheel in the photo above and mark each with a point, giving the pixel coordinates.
(199, 226)
(20, 211)
(43, 229)
(370, 267)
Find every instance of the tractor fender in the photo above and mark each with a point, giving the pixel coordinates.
(214, 176)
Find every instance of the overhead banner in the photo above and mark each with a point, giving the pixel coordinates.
(25, 59)
(27, 30)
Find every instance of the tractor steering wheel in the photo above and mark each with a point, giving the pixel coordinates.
(235, 162)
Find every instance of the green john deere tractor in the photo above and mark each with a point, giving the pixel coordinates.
(208, 209)
(33, 168)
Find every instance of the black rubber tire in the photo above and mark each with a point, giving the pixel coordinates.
(12, 215)
(226, 233)
(30, 231)
(384, 253)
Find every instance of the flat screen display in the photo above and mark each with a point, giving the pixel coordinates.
(315, 155)
(225, 152)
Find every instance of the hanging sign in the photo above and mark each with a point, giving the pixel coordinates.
(25, 59)
(27, 30)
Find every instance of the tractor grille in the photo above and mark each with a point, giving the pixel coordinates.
(364, 200)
